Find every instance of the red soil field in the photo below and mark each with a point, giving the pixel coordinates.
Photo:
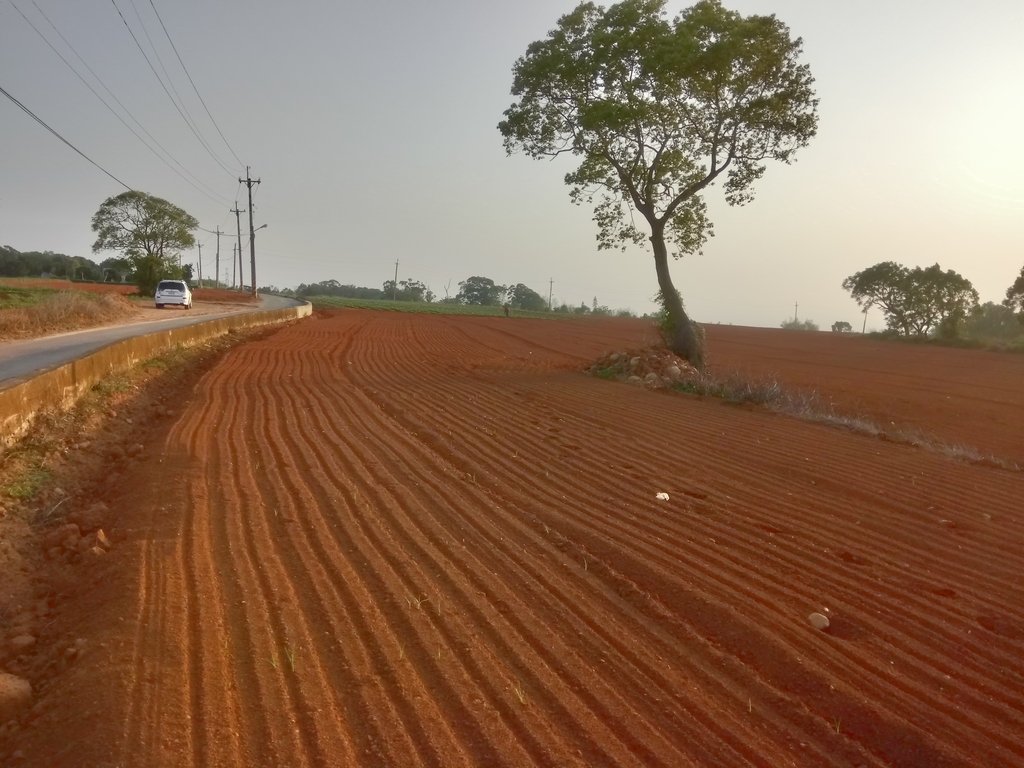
(379, 539)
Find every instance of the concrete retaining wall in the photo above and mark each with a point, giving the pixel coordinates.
(61, 387)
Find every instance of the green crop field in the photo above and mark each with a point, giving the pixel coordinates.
(19, 298)
(335, 302)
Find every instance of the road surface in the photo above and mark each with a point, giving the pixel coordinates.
(20, 360)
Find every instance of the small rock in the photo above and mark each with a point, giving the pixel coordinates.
(819, 621)
(102, 540)
(15, 696)
(91, 518)
(661, 496)
(634, 380)
(634, 363)
(652, 379)
(97, 551)
(22, 643)
(60, 537)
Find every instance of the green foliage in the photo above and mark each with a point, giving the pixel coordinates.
(19, 298)
(334, 288)
(148, 230)
(407, 290)
(656, 111)
(14, 263)
(520, 296)
(116, 270)
(993, 322)
(801, 325)
(841, 326)
(915, 301)
(480, 290)
(1015, 296)
(433, 308)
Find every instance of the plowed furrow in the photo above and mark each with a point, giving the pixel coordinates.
(412, 540)
(411, 584)
(371, 431)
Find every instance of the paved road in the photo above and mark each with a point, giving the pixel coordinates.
(20, 360)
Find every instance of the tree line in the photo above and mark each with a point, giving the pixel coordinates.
(475, 290)
(929, 301)
(15, 263)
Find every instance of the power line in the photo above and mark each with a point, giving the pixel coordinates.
(39, 120)
(166, 91)
(195, 182)
(194, 88)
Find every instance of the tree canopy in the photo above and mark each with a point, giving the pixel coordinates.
(520, 296)
(1015, 296)
(915, 301)
(148, 230)
(407, 290)
(657, 111)
(480, 290)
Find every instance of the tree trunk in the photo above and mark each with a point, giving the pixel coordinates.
(683, 337)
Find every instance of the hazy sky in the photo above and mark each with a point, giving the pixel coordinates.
(372, 125)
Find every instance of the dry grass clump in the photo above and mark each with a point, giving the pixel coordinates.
(808, 406)
(659, 368)
(64, 311)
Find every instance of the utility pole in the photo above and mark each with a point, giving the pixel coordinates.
(200, 247)
(234, 263)
(394, 286)
(216, 274)
(551, 286)
(796, 317)
(252, 233)
(238, 224)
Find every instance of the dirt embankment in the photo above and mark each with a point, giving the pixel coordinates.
(382, 539)
(119, 304)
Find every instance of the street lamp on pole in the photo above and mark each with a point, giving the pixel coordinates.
(252, 247)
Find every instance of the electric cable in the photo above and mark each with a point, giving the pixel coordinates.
(166, 91)
(39, 120)
(194, 88)
(194, 181)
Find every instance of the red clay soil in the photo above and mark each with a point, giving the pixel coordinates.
(379, 539)
(960, 397)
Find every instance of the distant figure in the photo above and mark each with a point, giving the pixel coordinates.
(506, 307)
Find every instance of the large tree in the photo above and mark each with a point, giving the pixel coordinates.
(915, 301)
(148, 230)
(480, 290)
(657, 111)
(1015, 296)
(520, 296)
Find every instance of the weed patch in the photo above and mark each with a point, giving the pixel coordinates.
(808, 406)
(27, 313)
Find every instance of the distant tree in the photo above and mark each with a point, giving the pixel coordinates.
(841, 326)
(334, 288)
(148, 230)
(407, 290)
(657, 111)
(480, 290)
(187, 273)
(992, 322)
(799, 325)
(115, 270)
(1015, 296)
(520, 296)
(915, 301)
